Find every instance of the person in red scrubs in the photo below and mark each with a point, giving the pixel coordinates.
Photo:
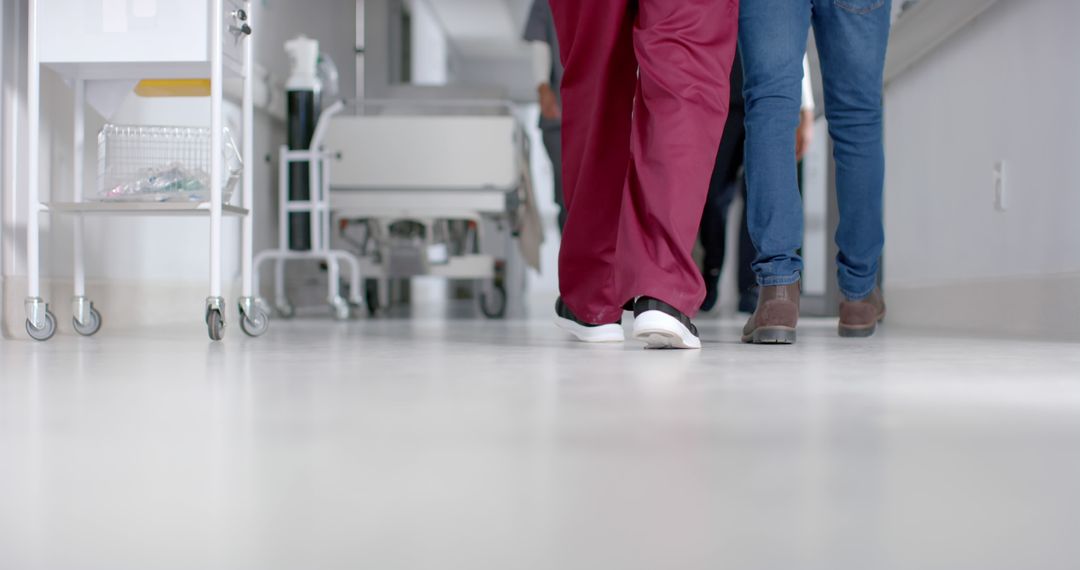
(645, 98)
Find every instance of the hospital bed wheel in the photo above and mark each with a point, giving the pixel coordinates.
(91, 327)
(256, 324)
(341, 308)
(494, 306)
(44, 333)
(285, 310)
(215, 324)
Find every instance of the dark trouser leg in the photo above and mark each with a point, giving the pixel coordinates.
(553, 144)
(747, 254)
(722, 189)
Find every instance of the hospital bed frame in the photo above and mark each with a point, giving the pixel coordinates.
(490, 206)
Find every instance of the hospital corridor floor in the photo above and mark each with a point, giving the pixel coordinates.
(467, 444)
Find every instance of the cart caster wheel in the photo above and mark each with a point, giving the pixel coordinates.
(286, 311)
(256, 324)
(91, 327)
(494, 306)
(341, 309)
(44, 333)
(215, 325)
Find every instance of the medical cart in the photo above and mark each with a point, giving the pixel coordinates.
(91, 40)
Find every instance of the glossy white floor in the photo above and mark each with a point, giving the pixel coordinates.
(442, 444)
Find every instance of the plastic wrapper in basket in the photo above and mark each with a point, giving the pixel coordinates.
(162, 164)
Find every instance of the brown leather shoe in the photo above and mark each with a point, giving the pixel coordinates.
(776, 316)
(859, 319)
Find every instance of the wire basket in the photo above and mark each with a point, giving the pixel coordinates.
(162, 164)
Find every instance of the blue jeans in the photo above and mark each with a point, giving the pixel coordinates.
(852, 36)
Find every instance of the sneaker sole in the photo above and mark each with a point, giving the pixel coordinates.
(597, 335)
(659, 331)
(771, 335)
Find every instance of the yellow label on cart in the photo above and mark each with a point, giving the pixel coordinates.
(173, 88)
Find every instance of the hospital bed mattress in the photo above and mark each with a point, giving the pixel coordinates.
(423, 152)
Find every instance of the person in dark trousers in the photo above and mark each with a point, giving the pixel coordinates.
(548, 72)
(645, 97)
(727, 181)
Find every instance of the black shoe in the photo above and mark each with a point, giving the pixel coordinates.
(659, 325)
(586, 332)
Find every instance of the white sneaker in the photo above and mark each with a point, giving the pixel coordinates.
(565, 320)
(660, 325)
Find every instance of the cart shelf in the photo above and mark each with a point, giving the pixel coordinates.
(140, 208)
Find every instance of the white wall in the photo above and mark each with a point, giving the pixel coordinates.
(430, 50)
(512, 74)
(332, 22)
(1007, 87)
(485, 46)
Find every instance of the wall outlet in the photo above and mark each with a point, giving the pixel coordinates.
(1001, 202)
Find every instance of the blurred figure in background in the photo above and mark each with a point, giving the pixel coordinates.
(548, 72)
(851, 36)
(727, 181)
(645, 98)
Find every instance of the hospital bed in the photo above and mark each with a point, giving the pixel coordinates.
(439, 188)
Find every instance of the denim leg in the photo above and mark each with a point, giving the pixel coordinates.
(852, 36)
(772, 40)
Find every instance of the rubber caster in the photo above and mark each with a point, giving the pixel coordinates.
(256, 324)
(493, 306)
(45, 332)
(341, 309)
(285, 310)
(91, 327)
(215, 324)
(262, 305)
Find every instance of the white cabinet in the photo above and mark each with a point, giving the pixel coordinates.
(137, 39)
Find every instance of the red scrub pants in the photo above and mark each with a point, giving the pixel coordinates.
(645, 98)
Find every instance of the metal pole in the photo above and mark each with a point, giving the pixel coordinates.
(249, 158)
(33, 203)
(313, 197)
(324, 198)
(283, 223)
(215, 148)
(361, 48)
(77, 185)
